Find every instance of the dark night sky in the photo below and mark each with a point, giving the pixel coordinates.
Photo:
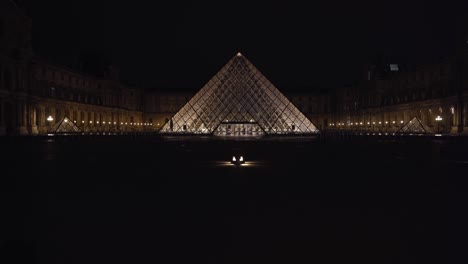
(180, 45)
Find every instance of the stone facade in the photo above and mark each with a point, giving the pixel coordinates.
(385, 102)
(161, 106)
(35, 94)
(34, 91)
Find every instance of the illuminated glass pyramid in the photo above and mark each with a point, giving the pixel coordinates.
(65, 126)
(239, 100)
(415, 126)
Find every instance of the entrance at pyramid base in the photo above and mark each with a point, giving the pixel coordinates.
(239, 129)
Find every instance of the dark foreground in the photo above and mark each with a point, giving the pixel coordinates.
(114, 200)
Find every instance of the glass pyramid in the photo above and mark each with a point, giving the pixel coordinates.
(65, 126)
(239, 100)
(415, 126)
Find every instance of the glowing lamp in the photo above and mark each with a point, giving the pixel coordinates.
(237, 161)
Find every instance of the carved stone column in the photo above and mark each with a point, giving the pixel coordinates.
(32, 116)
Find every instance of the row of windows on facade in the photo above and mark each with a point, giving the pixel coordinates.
(427, 75)
(392, 100)
(72, 96)
(67, 78)
(424, 75)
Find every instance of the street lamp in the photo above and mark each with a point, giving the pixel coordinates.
(438, 119)
(49, 120)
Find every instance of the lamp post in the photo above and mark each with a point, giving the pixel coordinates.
(438, 119)
(49, 122)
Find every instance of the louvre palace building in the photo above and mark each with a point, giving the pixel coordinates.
(36, 96)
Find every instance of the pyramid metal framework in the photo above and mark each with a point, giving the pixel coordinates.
(65, 126)
(415, 126)
(239, 100)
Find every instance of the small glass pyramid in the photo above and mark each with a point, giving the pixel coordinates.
(239, 100)
(415, 126)
(65, 126)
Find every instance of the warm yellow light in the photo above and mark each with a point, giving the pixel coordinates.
(438, 118)
(82, 121)
(66, 120)
(360, 123)
(121, 123)
(50, 118)
(380, 122)
(233, 158)
(115, 123)
(401, 121)
(241, 158)
(74, 121)
(373, 123)
(90, 122)
(393, 122)
(368, 123)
